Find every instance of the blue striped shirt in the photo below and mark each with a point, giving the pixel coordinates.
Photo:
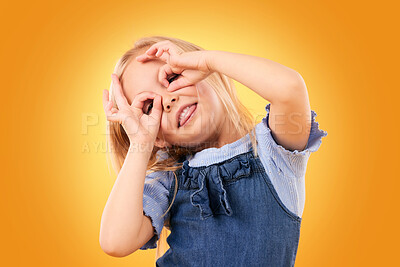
(286, 170)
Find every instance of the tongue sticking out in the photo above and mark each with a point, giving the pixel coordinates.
(192, 108)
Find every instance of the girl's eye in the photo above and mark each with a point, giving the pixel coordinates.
(172, 78)
(147, 108)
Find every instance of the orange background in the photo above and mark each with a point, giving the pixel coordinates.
(57, 57)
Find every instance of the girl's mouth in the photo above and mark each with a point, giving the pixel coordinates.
(187, 115)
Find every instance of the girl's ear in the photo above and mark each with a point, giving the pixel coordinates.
(161, 143)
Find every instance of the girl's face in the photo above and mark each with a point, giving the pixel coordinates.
(199, 129)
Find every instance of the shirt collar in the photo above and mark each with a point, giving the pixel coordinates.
(215, 155)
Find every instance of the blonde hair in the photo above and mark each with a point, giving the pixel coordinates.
(117, 139)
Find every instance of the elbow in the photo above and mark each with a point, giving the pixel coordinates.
(294, 90)
(297, 80)
(115, 253)
(115, 249)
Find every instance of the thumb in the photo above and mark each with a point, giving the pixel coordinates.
(157, 108)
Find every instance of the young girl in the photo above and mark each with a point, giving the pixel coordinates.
(190, 157)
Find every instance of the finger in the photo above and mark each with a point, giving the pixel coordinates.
(168, 50)
(119, 94)
(177, 84)
(164, 49)
(160, 52)
(163, 74)
(157, 108)
(144, 57)
(109, 109)
(105, 99)
(138, 101)
(107, 105)
(163, 54)
(149, 54)
(114, 117)
(168, 46)
(117, 89)
(158, 48)
(152, 49)
(172, 51)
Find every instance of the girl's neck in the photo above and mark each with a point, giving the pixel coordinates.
(226, 134)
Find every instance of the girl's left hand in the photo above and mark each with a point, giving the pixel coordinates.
(190, 67)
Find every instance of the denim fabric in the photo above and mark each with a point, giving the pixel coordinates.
(285, 170)
(229, 214)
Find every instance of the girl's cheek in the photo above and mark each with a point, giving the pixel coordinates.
(164, 127)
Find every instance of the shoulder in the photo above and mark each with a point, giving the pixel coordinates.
(155, 202)
(290, 162)
(159, 179)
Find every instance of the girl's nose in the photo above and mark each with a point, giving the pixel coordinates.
(169, 101)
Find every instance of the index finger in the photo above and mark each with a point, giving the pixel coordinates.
(138, 101)
(163, 73)
(160, 50)
(168, 45)
(177, 84)
(117, 89)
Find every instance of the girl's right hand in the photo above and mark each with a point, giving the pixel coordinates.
(192, 66)
(140, 127)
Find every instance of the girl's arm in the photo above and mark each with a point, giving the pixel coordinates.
(124, 227)
(290, 111)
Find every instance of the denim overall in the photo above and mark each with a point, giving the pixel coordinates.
(229, 214)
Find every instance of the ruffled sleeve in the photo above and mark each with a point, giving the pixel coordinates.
(290, 163)
(155, 202)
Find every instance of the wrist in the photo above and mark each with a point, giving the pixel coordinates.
(209, 59)
(141, 147)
